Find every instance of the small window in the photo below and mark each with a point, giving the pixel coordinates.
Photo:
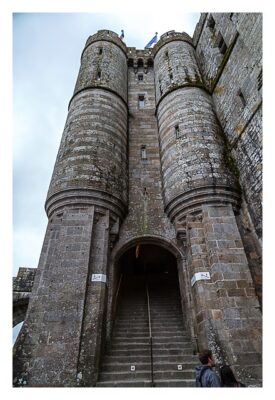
(143, 153)
(166, 54)
(141, 101)
(100, 51)
(171, 78)
(242, 98)
(150, 63)
(177, 131)
(211, 23)
(140, 77)
(130, 62)
(231, 16)
(98, 75)
(221, 44)
(160, 88)
(260, 80)
(140, 63)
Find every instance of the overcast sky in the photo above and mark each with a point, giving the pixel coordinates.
(46, 60)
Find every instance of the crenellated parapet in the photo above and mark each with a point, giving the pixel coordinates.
(140, 60)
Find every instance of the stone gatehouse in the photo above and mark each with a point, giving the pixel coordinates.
(153, 246)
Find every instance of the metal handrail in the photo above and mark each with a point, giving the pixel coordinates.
(118, 287)
(150, 334)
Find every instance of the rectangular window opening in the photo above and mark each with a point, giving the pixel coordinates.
(242, 98)
(260, 80)
(211, 23)
(143, 153)
(177, 131)
(171, 78)
(160, 88)
(140, 77)
(141, 101)
(100, 51)
(221, 44)
(98, 75)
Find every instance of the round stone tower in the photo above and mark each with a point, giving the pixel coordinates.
(91, 165)
(193, 159)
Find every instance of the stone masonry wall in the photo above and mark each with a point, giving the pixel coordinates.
(58, 334)
(192, 149)
(194, 157)
(46, 351)
(235, 80)
(228, 319)
(145, 215)
(23, 282)
(103, 64)
(22, 288)
(95, 131)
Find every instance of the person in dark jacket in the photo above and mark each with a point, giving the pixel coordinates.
(205, 376)
(228, 379)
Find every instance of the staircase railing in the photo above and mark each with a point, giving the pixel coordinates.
(150, 335)
(117, 291)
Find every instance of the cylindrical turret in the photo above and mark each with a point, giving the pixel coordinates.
(91, 165)
(193, 159)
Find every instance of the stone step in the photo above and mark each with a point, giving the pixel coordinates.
(142, 332)
(175, 383)
(128, 353)
(142, 374)
(130, 345)
(157, 347)
(129, 383)
(144, 351)
(145, 339)
(147, 383)
(120, 376)
(146, 358)
(175, 374)
(157, 331)
(171, 319)
(146, 366)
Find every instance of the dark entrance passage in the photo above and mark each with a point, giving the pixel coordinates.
(150, 346)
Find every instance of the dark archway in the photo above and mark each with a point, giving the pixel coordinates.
(157, 250)
(149, 340)
(147, 258)
(145, 264)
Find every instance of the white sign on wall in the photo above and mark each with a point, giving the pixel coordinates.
(98, 278)
(198, 276)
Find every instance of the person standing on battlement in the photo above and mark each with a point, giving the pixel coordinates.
(205, 376)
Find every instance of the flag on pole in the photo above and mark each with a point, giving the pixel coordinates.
(122, 35)
(152, 41)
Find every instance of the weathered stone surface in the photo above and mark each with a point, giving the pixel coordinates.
(22, 288)
(235, 78)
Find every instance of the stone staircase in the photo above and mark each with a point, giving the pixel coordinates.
(128, 360)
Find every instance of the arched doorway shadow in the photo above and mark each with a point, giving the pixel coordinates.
(148, 330)
(154, 256)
